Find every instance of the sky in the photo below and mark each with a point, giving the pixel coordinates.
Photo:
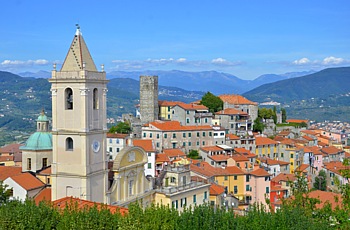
(241, 37)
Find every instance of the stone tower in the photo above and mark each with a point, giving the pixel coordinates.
(79, 128)
(149, 109)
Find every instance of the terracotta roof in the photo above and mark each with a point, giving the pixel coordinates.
(331, 150)
(278, 138)
(231, 136)
(46, 171)
(308, 131)
(192, 106)
(234, 170)
(168, 103)
(320, 143)
(176, 126)
(236, 99)
(231, 111)
(284, 177)
(174, 153)
(335, 167)
(8, 171)
(220, 157)
(117, 135)
(245, 152)
(209, 171)
(161, 157)
(260, 172)
(333, 199)
(211, 149)
(307, 138)
(6, 158)
(239, 158)
(264, 141)
(147, 145)
(284, 133)
(287, 141)
(44, 194)
(270, 161)
(216, 190)
(277, 188)
(81, 204)
(27, 181)
(11, 148)
(302, 168)
(296, 121)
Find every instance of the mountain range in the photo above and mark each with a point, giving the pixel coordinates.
(213, 81)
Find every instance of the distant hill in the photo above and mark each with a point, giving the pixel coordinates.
(332, 81)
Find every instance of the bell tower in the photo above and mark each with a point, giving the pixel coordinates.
(79, 166)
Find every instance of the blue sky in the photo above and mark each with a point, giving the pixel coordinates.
(244, 38)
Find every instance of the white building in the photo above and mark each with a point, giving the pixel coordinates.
(115, 143)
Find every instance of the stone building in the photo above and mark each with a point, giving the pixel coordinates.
(240, 103)
(236, 121)
(149, 110)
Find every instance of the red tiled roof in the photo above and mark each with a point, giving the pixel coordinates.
(117, 135)
(176, 126)
(231, 111)
(264, 141)
(308, 131)
(302, 168)
(236, 99)
(284, 177)
(334, 166)
(11, 148)
(192, 106)
(82, 204)
(288, 142)
(6, 158)
(284, 133)
(239, 158)
(333, 199)
(174, 153)
(269, 161)
(27, 181)
(147, 145)
(209, 171)
(260, 172)
(331, 150)
(320, 143)
(307, 138)
(211, 149)
(46, 171)
(168, 103)
(231, 136)
(296, 121)
(8, 171)
(234, 170)
(161, 157)
(216, 190)
(220, 157)
(44, 194)
(278, 138)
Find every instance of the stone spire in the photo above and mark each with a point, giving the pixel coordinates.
(78, 57)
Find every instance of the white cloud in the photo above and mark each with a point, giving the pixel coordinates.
(181, 60)
(224, 62)
(334, 61)
(302, 61)
(24, 63)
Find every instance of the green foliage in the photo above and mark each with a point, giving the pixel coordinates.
(303, 125)
(321, 181)
(265, 113)
(213, 102)
(284, 115)
(4, 193)
(121, 127)
(193, 154)
(258, 125)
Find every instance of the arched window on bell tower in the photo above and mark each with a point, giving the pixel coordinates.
(95, 98)
(69, 144)
(69, 98)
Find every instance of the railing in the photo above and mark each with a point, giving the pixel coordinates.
(171, 190)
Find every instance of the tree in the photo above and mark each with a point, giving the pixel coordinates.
(121, 127)
(258, 125)
(321, 181)
(5, 193)
(274, 115)
(213, 102)
(193, 154)
(265, 113)
(303, 125)
(284, 115)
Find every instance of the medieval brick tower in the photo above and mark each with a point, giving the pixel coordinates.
(149, 109)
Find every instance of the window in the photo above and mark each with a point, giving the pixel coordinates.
(203, 134)
(197, 143)
(131, 183)
(206, 120)
(235, 177)
(149, 165)
(187, 112)
(205, 195)
(110, 149)
(235, 189)
(95, 99)
(157, 135)
(291, 163)
(174, 204)
(150, 135)
(168, 108)
(184, 135)
(110, 141)
(210, 134)
(184, 144)
(189, 134)
(212, 162)
(117, 141)
(291, 155)
(267, 178)
(225, 177)
(238, 165)
(174, 135)
(69, 98)
(247, 177)
(169, 116)
(267, 189)
(157, 144)
(231, 126)
(117, 150)
(173, 180)
(187, 120)
(44, 162)
(282, 155)
(189, 143)
(29, 163)
(144, 134)
(247, 187)
(203, 143)
(197, 134)
(69, 144)
(194, 198)
(149, 154)
(231, 117)
(165, 135)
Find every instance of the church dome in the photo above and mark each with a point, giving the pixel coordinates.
(42, 117)
(39, 141)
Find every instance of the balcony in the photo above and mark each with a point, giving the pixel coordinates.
(172, 190)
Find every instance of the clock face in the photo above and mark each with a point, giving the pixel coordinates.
(95, 146)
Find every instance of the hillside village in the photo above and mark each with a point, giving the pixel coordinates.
(177, 154)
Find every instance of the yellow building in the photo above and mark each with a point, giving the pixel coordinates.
(266, 147)
(129, 181)
(165, 109)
